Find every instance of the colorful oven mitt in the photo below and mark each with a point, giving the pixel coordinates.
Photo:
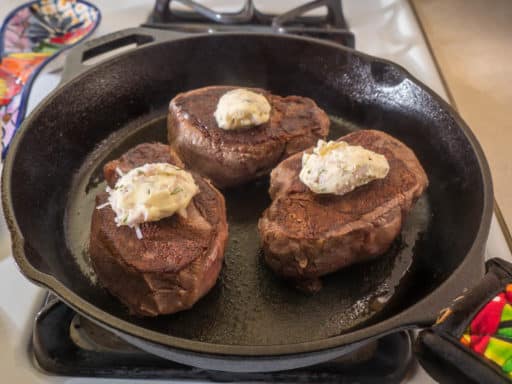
(472, 340)
(31, 36)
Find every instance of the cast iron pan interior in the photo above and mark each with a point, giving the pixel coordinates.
(54, 172)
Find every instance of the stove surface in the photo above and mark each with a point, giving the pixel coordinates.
(385, 28)
(68, 344)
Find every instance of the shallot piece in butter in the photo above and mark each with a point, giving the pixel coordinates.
(336, 167)
(241, 108)
(150, 193)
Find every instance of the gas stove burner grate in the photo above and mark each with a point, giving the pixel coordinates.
(200, 19)
(64, 343)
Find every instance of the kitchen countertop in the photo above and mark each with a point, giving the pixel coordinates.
(471, 40)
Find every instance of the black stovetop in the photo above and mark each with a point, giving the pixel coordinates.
(198, 18)
(65, 343)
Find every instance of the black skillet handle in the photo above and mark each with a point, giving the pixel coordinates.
(76, 60)
(471, 341)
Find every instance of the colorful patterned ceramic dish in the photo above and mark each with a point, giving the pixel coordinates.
(31, 36)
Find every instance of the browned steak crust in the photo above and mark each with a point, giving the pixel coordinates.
(233, 157)
(306, 235)
(176, 262)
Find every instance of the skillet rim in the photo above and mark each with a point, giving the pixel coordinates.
(406, 319)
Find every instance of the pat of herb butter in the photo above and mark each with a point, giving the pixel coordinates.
(336, 167)
(150, 193)
(241, 108)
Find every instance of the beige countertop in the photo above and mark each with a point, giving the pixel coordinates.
(471, 41)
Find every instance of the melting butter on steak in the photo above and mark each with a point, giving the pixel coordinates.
(151, 192)
(177, 260)
(241, 108)
(338, 168)
(232, 157)
(306, 235)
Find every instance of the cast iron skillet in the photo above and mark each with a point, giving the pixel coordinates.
(251, 321)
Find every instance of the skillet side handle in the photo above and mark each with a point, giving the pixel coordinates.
(104, 47)
(471, 340)
(425, 313)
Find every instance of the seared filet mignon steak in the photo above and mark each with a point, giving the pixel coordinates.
(177, 260)
(234, 157)
(307, 235)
